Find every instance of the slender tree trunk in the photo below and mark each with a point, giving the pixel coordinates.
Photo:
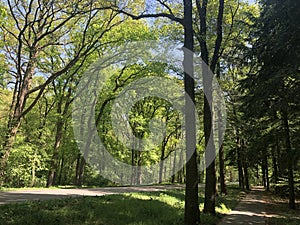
(267, 172)
(61, 170)
(174, 168)
(139, 168)
(181, 172)
(161, 165)
(275, 167)
(81, 172)
(133, 167)
(55, 158)
(263, 170)
(247, 184)
(223, 189)
(240, 165)
(279, 158)
(33, 170)
(77, 169)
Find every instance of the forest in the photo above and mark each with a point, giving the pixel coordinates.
(100, 93)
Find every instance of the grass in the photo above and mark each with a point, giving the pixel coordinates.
(147, 208)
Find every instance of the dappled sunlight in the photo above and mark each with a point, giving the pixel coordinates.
(247, 213)
(223, 209)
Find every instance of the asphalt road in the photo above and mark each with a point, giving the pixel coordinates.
(43, 194)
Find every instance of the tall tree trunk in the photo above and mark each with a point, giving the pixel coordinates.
(81, 172)
(279, 158)
(263, 169)
(161, 165)
(210, 184)
(174, 167)
(267, 172)
(182, 171)
(240, 165)
(245, 166)
(55, 157)
(133, 168)
(275, 165)
(290, 155)
(139, 168)
(77, 168)
(223, 189)
(61, 170)
(247, 184)
(33, 170)
(192, 213)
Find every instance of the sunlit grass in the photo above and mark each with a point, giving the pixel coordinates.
(147, 208)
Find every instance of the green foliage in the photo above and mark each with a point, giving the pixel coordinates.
(27, 156)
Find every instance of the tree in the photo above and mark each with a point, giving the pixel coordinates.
(275, 84)
(32, 30)
(210, 180)
(192, 214)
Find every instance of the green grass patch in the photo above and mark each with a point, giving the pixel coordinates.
(146, 208)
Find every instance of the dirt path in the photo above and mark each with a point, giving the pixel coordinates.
(251, 210)
(42, 194)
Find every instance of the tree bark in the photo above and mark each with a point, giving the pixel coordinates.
(77, 169)
(223, 188)
(263, 169)
(81, 172)
(240, 165)
(292, 200)
(247, 184)
(210, 184)
(192, 213)
(61, 170)
(55, 158)
(267, 173)
(275, 165)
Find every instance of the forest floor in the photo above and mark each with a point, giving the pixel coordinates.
(262, 208)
